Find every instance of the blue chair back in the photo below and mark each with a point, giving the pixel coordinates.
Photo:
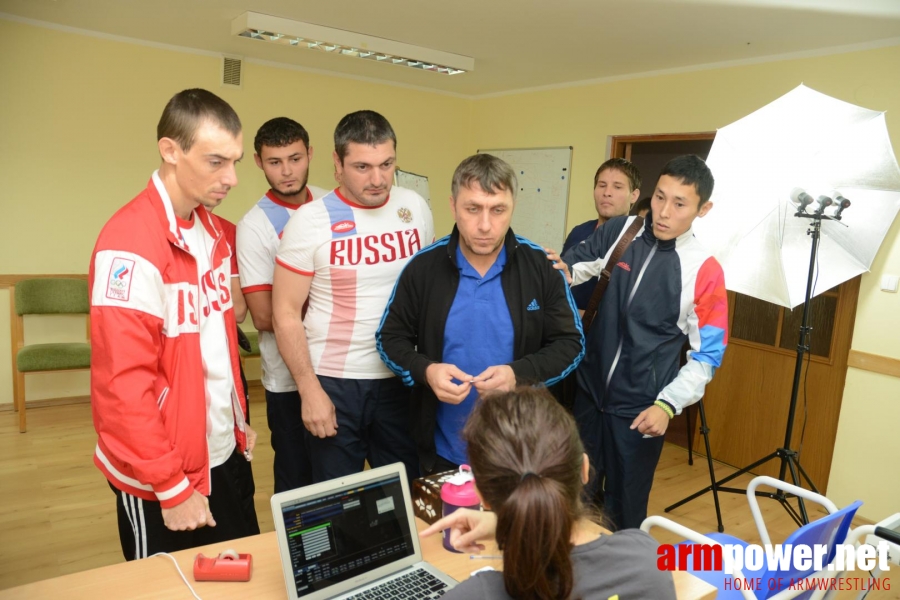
(830, 530)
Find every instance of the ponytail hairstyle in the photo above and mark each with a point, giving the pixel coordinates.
(527, 459)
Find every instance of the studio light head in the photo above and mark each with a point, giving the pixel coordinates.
(801, 199)
(841, 204)
(824, 202)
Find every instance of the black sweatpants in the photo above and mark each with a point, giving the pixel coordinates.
(291, 465)
(441, 465)
(373, 425)
(628, 461)
(143, 533)
(591, 429)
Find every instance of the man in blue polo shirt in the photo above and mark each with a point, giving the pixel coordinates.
(479, 306)
(480, 310)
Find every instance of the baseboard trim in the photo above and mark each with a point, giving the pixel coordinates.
(29, 404)
(7, 280)
(875, 363)
(10, 407)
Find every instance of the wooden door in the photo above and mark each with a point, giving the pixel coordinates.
(748, 400)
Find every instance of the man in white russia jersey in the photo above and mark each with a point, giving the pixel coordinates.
(283, 153)
(344, 253)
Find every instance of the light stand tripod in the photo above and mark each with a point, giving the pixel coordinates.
(789, 458)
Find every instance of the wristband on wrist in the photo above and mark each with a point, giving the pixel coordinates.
(666, 408)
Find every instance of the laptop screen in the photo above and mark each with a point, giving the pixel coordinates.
(346, 532)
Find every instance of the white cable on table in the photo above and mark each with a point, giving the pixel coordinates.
(172, 558)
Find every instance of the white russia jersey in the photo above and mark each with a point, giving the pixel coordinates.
(258, 236)
(354, 255)
(217, 374)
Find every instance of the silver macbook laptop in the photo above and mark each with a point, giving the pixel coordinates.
(354, 537)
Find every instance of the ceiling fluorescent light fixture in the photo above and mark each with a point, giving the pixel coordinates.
(288, 32)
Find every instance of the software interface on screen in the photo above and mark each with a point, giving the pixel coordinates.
(346, 533)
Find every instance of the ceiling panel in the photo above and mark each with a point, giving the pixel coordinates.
(517, 44)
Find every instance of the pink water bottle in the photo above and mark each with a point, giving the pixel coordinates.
(458, 492)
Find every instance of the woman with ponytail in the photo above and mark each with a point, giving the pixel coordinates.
(530, 468)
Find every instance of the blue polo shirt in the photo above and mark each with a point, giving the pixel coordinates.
(478, 334)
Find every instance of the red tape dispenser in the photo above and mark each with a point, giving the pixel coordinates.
(228, 566)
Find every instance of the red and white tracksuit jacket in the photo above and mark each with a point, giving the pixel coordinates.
(148, 394)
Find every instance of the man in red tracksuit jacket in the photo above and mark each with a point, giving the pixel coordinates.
(166, 393)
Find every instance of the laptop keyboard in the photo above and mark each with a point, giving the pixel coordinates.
(418, 585)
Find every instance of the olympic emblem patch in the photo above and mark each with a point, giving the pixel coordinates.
(405, 215)
(118, 285)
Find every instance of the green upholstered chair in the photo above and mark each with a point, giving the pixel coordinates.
(50, 296)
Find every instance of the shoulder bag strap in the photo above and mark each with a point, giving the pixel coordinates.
(603, 279)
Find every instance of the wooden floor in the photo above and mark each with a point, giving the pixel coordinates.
(57, 514)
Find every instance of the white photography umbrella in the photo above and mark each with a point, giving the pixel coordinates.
(806, 140)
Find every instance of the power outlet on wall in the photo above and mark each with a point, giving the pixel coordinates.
(889, 283)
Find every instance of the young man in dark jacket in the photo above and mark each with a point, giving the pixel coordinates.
(480, 310)
(665, 289)
(617, 184)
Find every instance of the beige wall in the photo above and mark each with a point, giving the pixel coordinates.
(77, 134)
(79, 121)
(865, 460)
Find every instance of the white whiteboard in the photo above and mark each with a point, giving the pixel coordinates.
(543, 196)
(411, 181)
